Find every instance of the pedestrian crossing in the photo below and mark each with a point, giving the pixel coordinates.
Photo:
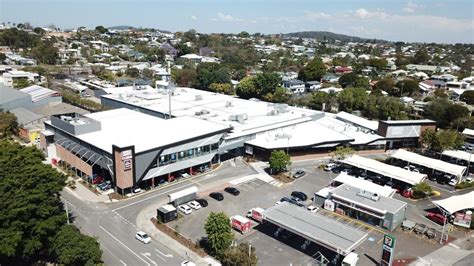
(276, 183)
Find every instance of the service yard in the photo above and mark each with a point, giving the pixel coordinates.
(285, 249)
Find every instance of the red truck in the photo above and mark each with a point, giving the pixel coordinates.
(256, 214)
(240, 223)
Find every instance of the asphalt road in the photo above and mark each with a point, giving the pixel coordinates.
(114, 224)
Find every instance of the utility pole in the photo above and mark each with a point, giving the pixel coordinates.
(67, 212)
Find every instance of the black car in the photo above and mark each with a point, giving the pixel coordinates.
(202, 202)
(299, 195)
(232, 190)
(299, 173)
(292, 201)
(217, 196)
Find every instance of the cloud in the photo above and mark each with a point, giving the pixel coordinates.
(194, 17)
(412, 7)
(363, 13)
(226, 18)
(314, 16)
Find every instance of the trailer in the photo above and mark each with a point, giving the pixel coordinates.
(431, 233)
(183, 196)
(420, 229)
(256, 214)
(240, 223)
(408, 225)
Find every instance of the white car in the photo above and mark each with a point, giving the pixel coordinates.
(185, 209)
(453, 182)
(468, 179)
(195, 205)
(278, 202)
(330, 166)
(137, 190)
(142, 237)
(312, 208)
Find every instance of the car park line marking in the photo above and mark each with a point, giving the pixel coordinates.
(120, 242)
(166, 255)
(146, 256)
(124, 264)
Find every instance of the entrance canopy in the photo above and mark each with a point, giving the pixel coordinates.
(384, 169)
(315, 227)
(435, 164)
(456, 203)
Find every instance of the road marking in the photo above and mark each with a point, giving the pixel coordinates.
(146, 255)
(124, 264)
(120, 242)
(166, 255)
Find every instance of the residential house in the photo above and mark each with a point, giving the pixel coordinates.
(343, 69)
(192, 57)
(294, 86)
(11, 77)
(312, 85)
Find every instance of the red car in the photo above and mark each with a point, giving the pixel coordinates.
(97, 180)
(437, 218)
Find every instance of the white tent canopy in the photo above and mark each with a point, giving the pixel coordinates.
(462, 155)
(435, 164)
(384, 169)
(456, 203)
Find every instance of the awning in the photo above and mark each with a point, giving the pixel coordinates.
(456, 203)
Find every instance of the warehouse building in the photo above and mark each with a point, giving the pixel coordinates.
(130, 148)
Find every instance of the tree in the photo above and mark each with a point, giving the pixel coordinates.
(21, 83)
(148, 73)
(352, 99)
(266, 82)
(421, 57)
(385, 84)
(342, 152)
(224, 88)
(428, 137)
(314, 70)
(379, 64)
(45, 53)
(406, 87)
(132, 72)
(2, 57)
(184, 77)
(467, 96)
(70, 247)
(101, 29)
(318, 99)
(246, 89)
(447, 139)
(280, 95)
(243, 254)
(208, 73)
(39, 31)
(279, 160)
(8, 124)
(219, 232)
(353, 80)
(244, 34)
(422, 190)
(445, 113)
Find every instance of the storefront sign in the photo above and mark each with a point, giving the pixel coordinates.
(329, 205)
(126, 155)
(388, 250)
(127, 164)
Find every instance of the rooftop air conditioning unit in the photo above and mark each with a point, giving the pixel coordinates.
(204, 112)
(228, 104)
(198, 97)
(375, 197)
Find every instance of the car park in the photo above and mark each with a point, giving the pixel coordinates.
(299, 173)
(312, 208)
(142, 237)
(184, 208)
(195, 205)
(299, 195)
(232, 190)
(202, 202)
(330, 167)
(437, 217)
(217, 196)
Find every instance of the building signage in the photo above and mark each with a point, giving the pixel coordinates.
(127, 164)
(126, 155)
(388, 250)
(329, 205)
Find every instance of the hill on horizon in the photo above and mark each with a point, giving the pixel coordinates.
(330, 36)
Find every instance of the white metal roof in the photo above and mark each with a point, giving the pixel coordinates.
(38, 92)
(469, 132)
(384, 169)
(438, 165)
(176, 195)
(372, 125)
(360, 183)
(456, 203)
(124, 127)
(466, 156)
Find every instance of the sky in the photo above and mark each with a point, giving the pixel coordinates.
(448, 21)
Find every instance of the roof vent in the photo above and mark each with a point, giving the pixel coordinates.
(228, 104)
(198, 97)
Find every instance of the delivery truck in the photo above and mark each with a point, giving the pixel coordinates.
(256, 214)
(240, 223)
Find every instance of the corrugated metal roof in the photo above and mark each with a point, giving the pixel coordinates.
(25, 116)
(8, 94)
(38, 92)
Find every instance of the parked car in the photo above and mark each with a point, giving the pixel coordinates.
(137, 190)
(453, 182)
(202, 202)
(330, 167)
(217, 196)
(188, 263)
(184, 208)
(437, 218)
(232, 190)
(292, 201)
(312, 208)
(105, 185)
(142, 237)
(299, 173)
(300, 195)
(96, 179)
(468, 179)
(195, 205)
